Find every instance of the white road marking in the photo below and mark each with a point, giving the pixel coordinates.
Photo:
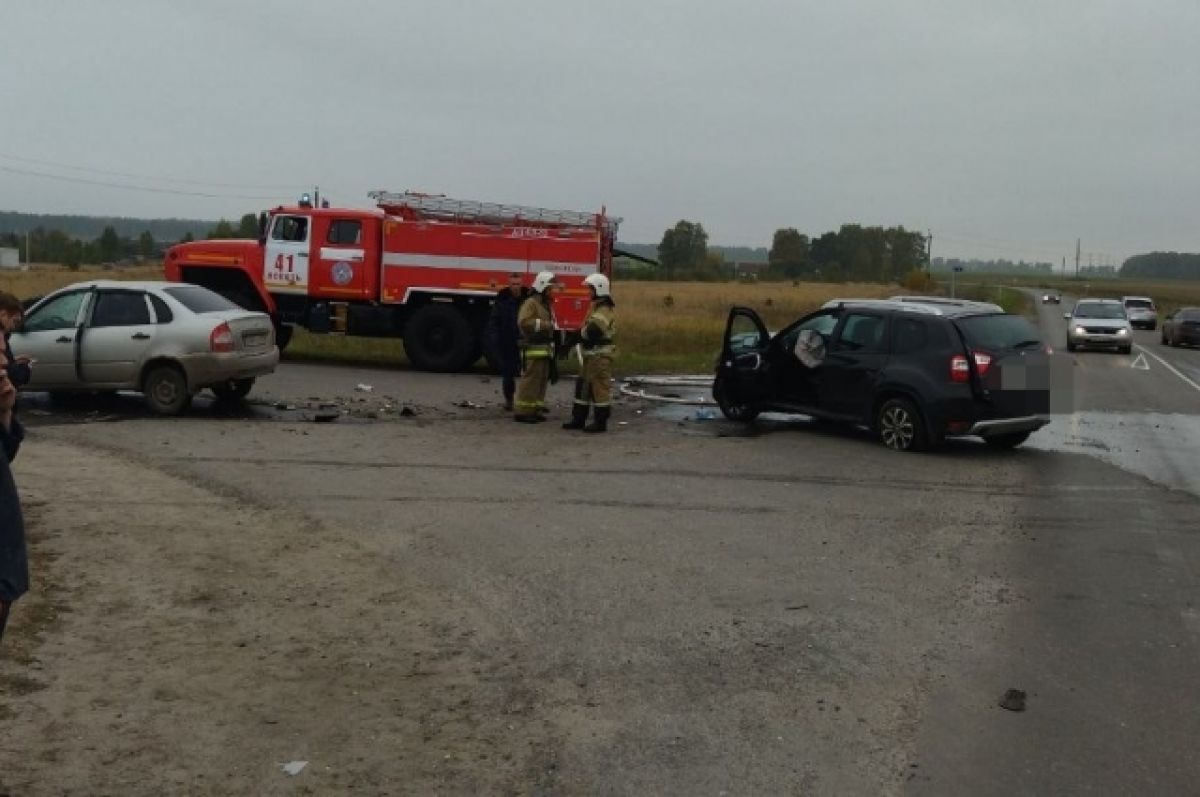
(1170, 367)
(1140, 363)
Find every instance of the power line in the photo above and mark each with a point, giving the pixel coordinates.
(135, 176)
(128, 187)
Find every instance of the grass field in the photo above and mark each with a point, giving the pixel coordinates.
(40, 279)
(663, 327)
(1168, 295)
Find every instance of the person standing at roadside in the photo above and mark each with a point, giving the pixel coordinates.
(593, 386)
(536, 322)
(14, 560)
(11, 313)
(504, 335)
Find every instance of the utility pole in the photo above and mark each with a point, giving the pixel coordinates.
(1076, 258)
(1064, 264)
(28, 251)
(929, 252)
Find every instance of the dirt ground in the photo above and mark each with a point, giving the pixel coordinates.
(451, 603)
(180, 641)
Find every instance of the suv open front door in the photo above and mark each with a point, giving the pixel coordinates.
(743, 373)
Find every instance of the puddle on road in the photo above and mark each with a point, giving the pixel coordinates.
(1160, 447)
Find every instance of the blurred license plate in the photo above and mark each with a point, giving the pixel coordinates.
(257, 337)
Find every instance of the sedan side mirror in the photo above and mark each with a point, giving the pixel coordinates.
(1067, 316)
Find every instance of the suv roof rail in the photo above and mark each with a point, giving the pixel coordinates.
(919, 304)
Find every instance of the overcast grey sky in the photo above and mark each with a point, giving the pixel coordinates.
(1006, 128)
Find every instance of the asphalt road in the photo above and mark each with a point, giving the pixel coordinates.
(685, 606)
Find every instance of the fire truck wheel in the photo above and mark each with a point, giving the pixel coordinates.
(283, 335)
(438, 338)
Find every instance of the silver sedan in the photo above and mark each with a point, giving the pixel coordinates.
(1099, 323)
(166, 340)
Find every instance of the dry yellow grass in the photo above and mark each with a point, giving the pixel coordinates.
(40, 280)
(678, 326)
(662, 326)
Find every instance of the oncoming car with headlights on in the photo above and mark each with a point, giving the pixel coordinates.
(1099, 324)
(166, 340)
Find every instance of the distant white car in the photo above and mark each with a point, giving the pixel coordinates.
(1141, 311)
(167, 340)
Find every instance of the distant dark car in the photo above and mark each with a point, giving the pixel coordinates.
(914, 373)
(1182, 326)
(1051, 298)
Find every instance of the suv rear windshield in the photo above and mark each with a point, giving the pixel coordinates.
(1146, 303)
(1000, 331)
(200, 300)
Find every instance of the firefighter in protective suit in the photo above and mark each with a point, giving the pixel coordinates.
(593, 387)
(536, 322)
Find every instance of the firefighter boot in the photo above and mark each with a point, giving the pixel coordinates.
(601, 422)
(579, 413)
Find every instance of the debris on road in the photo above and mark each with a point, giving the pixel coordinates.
(1013, 700)
(407, 412)
(294, 768)
(691, 390)
(470, 405)
(362, 387)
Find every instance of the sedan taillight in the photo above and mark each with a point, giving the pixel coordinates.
(958, 366)
(221, 339)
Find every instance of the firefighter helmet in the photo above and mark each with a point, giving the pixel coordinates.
(598, 283)
(543, 281)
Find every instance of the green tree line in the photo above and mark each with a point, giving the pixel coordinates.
(57, 246)
(855, 253)
(1163, 265)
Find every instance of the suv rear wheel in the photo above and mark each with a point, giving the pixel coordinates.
(900, 426)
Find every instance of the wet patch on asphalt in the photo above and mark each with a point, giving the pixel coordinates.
(1160, 447)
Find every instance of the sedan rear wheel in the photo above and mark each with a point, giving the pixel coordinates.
(900, 426)
(166, 390)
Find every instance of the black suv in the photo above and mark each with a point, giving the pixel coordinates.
(913, 372)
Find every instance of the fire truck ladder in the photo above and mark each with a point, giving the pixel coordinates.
(443, 207)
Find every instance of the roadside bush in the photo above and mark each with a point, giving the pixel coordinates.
(919, 281)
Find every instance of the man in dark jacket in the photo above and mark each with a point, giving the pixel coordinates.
(14, 561)
(11, 313)
(503, 334)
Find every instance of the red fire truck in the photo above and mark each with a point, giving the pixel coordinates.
(421, 267)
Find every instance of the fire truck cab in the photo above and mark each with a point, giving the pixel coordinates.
(418, 267)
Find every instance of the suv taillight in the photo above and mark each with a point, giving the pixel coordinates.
(958, 366)
(221, 339)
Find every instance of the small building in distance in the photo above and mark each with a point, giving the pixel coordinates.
(752, 270)
(10, 257)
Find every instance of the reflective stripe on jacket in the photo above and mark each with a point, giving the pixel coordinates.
(536, 322)
(599, 331)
